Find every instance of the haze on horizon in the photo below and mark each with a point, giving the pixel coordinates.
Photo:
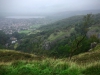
(46, 6)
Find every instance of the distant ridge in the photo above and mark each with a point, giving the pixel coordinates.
(66, 14)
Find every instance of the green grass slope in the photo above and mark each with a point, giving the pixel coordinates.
(88, 57)
(11, 55)
(83, 64)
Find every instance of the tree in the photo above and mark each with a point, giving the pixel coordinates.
(3, 39)
(82, 31)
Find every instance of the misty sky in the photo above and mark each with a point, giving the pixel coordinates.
(46, 6)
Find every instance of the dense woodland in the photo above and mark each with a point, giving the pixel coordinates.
(63, 38)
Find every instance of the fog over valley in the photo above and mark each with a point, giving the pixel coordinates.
(46, 7)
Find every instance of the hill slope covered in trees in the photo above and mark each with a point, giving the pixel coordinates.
(58, 38)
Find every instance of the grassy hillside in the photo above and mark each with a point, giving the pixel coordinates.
(88, 57)
(60, 34)
(83, 64)
(11, 55)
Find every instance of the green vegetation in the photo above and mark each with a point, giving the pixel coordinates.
(44, 67)
(59, 34)
(61, 48)
(55, 36)
(64, 38)
(3, 39)
(50, 66)
(11, 55)
(88, 57)
(32, 30)
(25, 31)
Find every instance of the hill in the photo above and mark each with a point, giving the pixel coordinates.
(66, 14)
(83, 64)
(12, 55)
(73, 20)
(88, 57)
(57, 36)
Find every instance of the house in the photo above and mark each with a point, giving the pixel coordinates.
(13, 40)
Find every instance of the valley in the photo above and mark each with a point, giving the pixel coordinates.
(57, 48)
(49, 37)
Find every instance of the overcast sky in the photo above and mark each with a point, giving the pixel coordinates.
(47, 6)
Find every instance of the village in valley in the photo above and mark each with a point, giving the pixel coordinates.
(14, 26)
(11, 25)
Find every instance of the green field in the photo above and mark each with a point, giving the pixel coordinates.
(25, 31)
(33, 29)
